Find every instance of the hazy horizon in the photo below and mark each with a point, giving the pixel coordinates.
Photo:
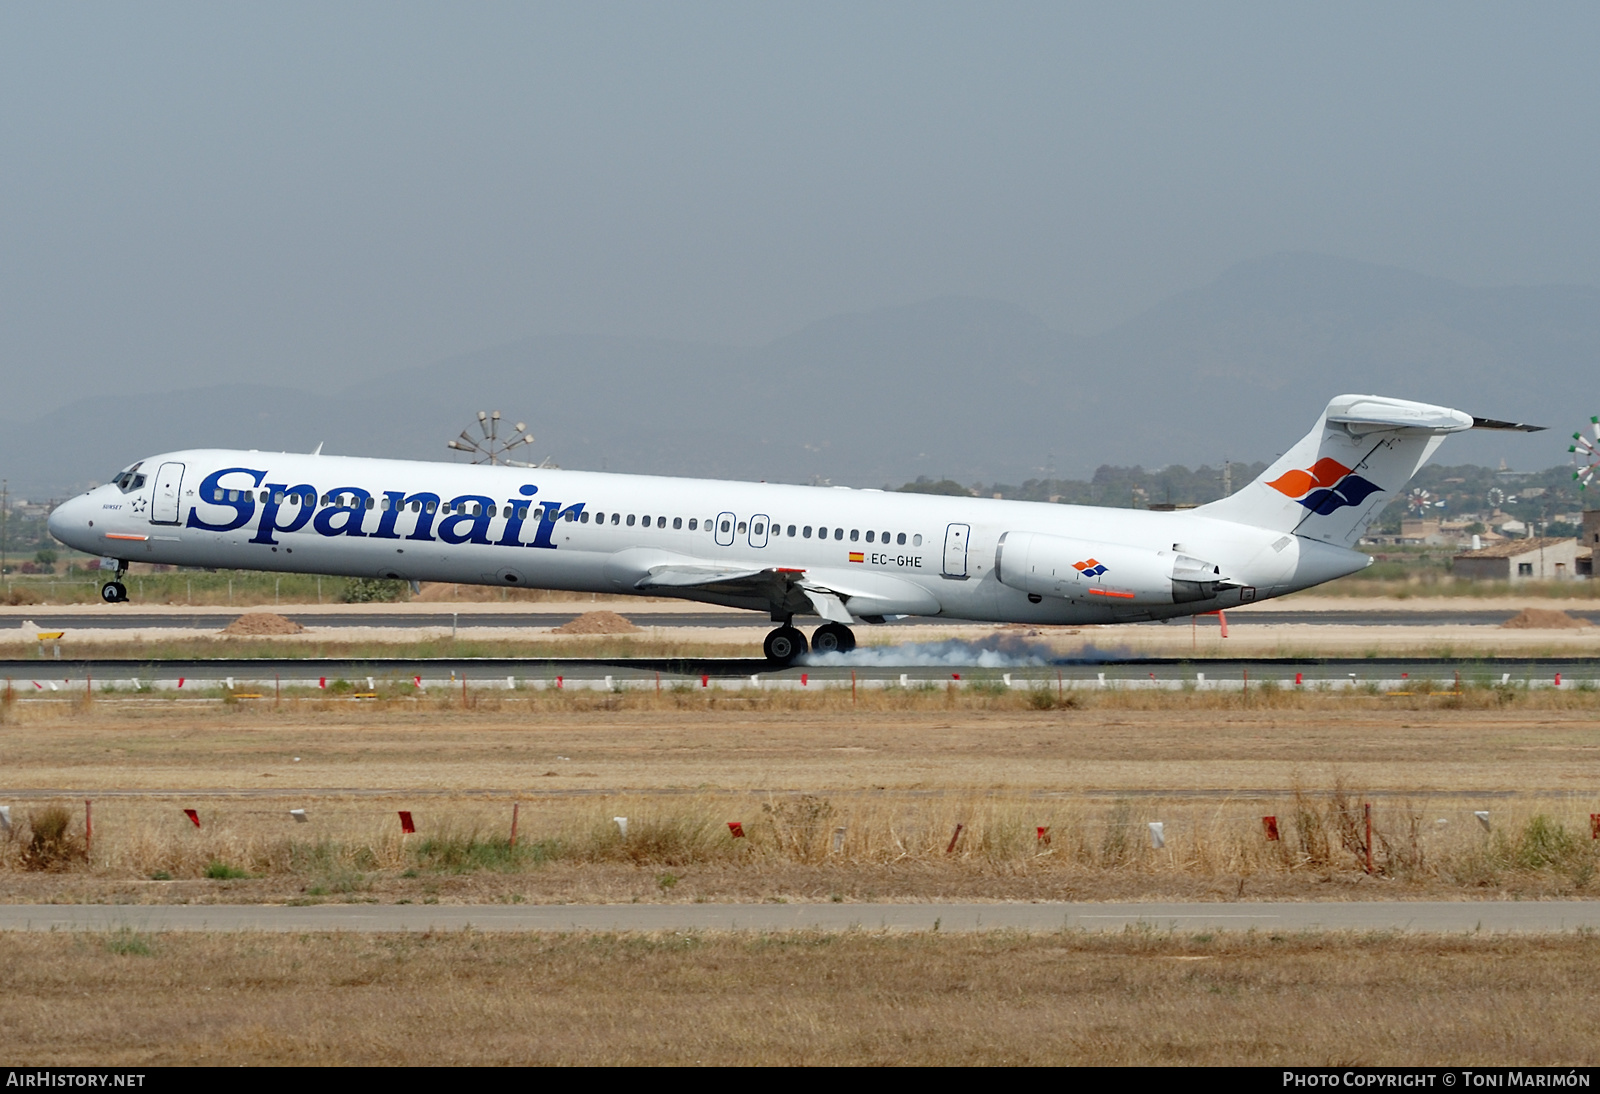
(312, 195)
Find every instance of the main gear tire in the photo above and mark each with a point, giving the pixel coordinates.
(113, 592)
(833, 638)
(784, 646)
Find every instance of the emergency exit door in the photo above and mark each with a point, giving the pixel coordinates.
(955, 550)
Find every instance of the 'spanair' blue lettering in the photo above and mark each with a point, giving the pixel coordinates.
(352, 514)
(427, 505)
(212, 491)
(512, 537)
(548, 516)
(273, 505)
(386, 519)
(480, 513)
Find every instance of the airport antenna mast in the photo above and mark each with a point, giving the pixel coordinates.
(490, 447)
(1586, 455)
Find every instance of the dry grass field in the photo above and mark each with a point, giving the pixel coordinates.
(836, 799)
(130, 1000)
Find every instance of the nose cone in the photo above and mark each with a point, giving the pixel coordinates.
(69, 523)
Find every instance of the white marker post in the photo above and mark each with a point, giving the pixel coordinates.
(622, 825)
(1158, 838)
(1483, 818)
(299, 815)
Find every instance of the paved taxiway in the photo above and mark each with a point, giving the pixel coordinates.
(1430, 917)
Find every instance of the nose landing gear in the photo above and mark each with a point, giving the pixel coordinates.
(114, 591)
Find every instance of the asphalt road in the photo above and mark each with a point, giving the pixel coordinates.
(120, 619)
(1429, 917)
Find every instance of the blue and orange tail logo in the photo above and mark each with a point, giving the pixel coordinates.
(1090, 568)
(1326, 488)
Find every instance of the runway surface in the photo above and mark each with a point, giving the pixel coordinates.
(132, 619)
(1430, 917)
(1009, 662)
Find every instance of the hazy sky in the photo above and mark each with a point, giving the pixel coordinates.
(313, 193)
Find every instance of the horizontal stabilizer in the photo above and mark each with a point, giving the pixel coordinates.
(1492, 423)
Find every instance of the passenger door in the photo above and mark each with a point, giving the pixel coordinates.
(164, 504)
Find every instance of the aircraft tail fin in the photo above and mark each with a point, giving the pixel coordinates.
(1332, 484)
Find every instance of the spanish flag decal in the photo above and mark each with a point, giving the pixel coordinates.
(857, 556)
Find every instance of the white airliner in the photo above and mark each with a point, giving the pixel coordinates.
(843, 554)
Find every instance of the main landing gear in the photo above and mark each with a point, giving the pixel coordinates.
(114, 591)
(787, 644)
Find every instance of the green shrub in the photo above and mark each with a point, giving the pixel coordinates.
(221, 871)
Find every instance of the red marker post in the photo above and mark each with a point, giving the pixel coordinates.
(1269, 825)
(736, 829)
(193, 816)
(406, 827)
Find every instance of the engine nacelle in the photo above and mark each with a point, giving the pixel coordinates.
(1108, 572)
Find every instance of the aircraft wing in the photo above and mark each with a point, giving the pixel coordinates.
(840, 596)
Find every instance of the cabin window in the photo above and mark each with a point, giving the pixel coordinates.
(326, 500)
(433, 506)
(791, 530)
(278, 497)
(233, 495)
(900, 539)
(759, 529)
(916, 540)
(572, 515)
(677, 522)
(741, 527)
(822, 532)
(869, 535)
(726, 526)
(522, 512)
(630, 520)
(583, 517)
(693, 524)
(616, 517)
(838, 533)
(371, 503)
(855, 535)
(806, 532)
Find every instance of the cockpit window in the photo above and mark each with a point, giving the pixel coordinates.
(130, 480)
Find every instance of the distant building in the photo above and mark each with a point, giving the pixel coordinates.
(1541, 559)
(1589, 542)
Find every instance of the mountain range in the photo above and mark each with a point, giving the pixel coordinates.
(961, 388)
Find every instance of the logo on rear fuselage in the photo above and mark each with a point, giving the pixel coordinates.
(1090, 567)
(1325, 487)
